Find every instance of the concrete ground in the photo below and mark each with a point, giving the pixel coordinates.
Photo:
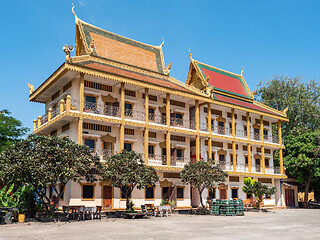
(279, 224)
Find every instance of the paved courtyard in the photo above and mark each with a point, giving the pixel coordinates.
(280, 224)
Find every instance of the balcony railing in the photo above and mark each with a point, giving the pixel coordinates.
(178, 122)
(133, 114)
(157, 118)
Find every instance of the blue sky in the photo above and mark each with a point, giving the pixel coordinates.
(267, 37)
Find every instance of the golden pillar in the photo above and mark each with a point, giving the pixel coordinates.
(249, 157)
(263, 159)
(49, 114)
(81, 102)
(210, 131)
(197, 129)
(39, 121)
(234, 154)
(261, 129)
(68, 103)
(280, 149)
(248, 126)
(122, 99)
(34, 125)
(81, 105)
(61, 106)
(146, 132)
(168, 139)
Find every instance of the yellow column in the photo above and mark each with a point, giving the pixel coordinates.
(209, 130)
(80, 127)
(248, 126)
(168, 145)
(197, 129)
(280, 149)
(262, 146)
(61, 106)
(34, 124)
(122, 99)
(233, 124)
(81, 95)
(68, 103)
(249, 157)
(146, 132)
(234, 156)
(81, 105)
(39, 121)
(261, 129)
(263, 160)
(49, 114)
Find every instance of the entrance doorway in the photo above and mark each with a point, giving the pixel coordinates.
(107, 198)
(290, 198)
(169, 193)
(223, 193)
(257, 161)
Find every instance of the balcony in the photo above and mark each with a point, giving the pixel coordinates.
(161, 160)
(178, 122)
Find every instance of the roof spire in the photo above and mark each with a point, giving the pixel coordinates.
(242, 71)
(75, 16)
(162, 42)
(190, 54)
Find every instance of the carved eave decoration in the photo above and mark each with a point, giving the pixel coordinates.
(257, 156)
(108, 138)
(221, 152)
(162, 109)
(165, 183)
(109, 98)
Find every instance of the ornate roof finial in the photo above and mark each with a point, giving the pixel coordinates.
(167, 71)
(285, 111)
(67, 51)
(253, 93)
(162, 42)
(190, 53)
(75, 16)
(242, 71)
(91, 46)
(31, 87)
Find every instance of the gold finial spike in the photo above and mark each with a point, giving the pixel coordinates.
(75, 15)
(253, 93)
(31, 87)
(91, 47)
(242, 71)
(167, 71)
(162, 42)
(190, 53)
(285, 110)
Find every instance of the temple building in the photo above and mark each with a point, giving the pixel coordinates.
(116, 93)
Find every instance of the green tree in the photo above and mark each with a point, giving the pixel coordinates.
(127, 170)
(302, 159)
(11, 129)
(259, 190)
(301, 98)
(202, 175)
(42, 161)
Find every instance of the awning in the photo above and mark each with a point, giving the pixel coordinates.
(291, 184)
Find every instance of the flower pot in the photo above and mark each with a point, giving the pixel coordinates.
(21, 218)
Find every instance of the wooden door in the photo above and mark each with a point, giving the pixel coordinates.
(290, 198)
(223, 193)
(257, 161)
(107, 198)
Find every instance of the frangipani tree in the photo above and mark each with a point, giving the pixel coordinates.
(259, 190)
(43, 161)
(127, 170)
(202, 175)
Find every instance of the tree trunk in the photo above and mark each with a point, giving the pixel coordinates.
(200, 193)
(306, 192)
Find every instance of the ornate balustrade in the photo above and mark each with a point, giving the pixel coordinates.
(178, 122)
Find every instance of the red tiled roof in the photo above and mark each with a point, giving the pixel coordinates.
(224, 81)
(133, 75)
(121, 49)
(242, 103)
